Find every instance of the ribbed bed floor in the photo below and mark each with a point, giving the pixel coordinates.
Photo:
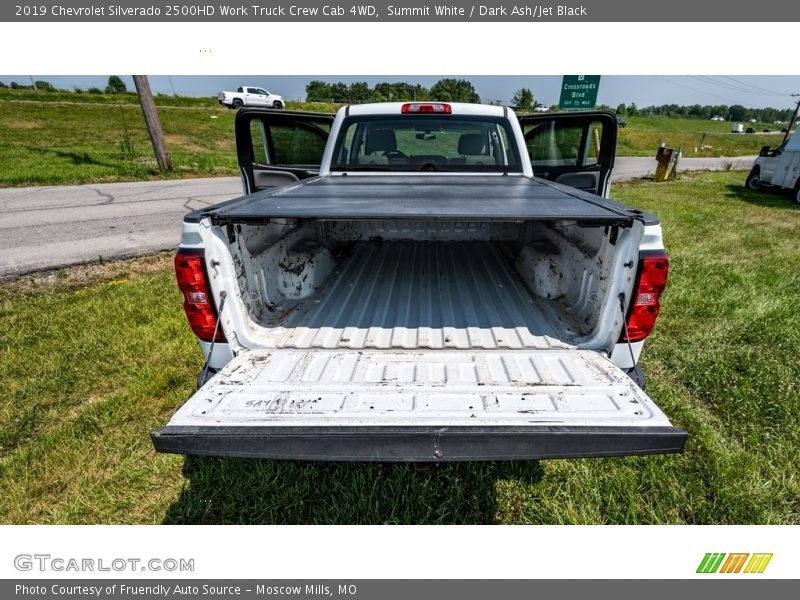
(423, 295)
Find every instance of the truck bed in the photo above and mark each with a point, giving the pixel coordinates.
(409, 295)
(425, 196)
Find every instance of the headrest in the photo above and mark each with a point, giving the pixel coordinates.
(381, 140)
(471, 144)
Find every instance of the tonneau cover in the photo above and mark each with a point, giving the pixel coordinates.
(425, 196)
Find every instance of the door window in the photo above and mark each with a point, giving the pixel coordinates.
(288, 143)
(564, 144)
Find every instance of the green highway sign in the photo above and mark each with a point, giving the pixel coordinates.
(579, 91)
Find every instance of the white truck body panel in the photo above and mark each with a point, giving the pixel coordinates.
(780, 167)
(323, 387)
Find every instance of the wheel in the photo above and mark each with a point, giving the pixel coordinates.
(237, 103)
(277, 105)
(754, 179)
(796, 194)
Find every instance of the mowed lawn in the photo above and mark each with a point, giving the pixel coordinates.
(696, 137)
(96, 138)
(69, 138)
(95, 357)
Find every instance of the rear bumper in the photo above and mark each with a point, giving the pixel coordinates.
(418, 444)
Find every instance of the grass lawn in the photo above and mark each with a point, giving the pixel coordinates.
(59, 138)
(644, 135)
(96, 356)
(97, 138)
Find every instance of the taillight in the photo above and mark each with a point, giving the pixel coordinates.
(197, 301)
(653, 270)
(426, 107)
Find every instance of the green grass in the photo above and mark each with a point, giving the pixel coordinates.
(91, 138)
(52, 138)
(95, 357)
(644, 135)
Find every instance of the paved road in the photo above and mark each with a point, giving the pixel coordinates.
(633, 167)
(48, 227)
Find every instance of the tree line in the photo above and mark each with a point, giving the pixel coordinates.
(115, 86)
(736, 112)
(462, 90)
(444, 90)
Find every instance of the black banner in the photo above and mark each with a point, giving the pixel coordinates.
(731, 588)
(399, 10)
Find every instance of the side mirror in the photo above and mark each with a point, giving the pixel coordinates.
(764, 151)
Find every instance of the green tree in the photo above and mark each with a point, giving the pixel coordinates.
(116, 85)
(340, 92)
(622, 110)
(359, 92)
(454, 90)
(318, 91)
(633, 110)
(523, 99)
(738, 112)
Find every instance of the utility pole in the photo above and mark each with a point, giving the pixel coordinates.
(793, 119)
(153, 124)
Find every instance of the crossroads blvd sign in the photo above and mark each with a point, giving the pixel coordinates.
(579, 91)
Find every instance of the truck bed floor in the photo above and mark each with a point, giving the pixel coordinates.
(409, 294)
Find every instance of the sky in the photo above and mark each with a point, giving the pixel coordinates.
(645, 90)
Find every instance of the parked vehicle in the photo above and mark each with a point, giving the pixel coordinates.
(750, 130)
(779, 167)
(621, 122)
(249, 95)
(421, 281)
(737, 128)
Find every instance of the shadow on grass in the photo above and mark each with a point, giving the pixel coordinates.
(771, 197)
(283, 492)
(79, 159)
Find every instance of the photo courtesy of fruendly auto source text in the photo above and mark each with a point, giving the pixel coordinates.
(402, 264)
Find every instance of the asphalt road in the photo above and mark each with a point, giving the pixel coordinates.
(50, 227)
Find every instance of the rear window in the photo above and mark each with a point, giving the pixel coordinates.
(425, 143)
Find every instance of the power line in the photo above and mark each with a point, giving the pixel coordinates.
(691, 88)
(756, 87)
(727, 86)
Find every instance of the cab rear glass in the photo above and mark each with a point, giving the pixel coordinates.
(426, 142)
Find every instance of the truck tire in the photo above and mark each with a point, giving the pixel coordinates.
(237, 103)
(753, 181)
(277, 105)
(796, 194)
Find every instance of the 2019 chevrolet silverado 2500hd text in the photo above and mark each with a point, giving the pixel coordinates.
(421, 282)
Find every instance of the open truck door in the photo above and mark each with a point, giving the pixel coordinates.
(576, 149)
(277, 147)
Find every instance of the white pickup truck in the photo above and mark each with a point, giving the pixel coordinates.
(421, 282)
(249, 95)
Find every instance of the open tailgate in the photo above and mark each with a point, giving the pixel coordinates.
(419, 406)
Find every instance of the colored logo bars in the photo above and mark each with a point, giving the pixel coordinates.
(734, 563)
